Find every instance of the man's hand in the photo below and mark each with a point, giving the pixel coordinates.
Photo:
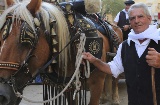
(153, 58)
(126, 27)
(88, 56)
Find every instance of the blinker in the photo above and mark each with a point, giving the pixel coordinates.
(27, 35)
(7, 26)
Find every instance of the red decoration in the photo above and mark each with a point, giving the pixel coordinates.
(159, 15)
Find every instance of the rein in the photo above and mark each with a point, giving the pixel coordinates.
(23, 70)
(25, 64)
(76, 73)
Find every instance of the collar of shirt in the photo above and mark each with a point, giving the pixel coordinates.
(136, 41)
(125, 11)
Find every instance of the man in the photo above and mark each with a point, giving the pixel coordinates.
(155, 22)
(122, 20)
(135, 57)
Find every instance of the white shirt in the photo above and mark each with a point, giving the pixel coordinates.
(116, 64)
(117, 16)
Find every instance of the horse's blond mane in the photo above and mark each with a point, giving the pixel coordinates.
(52, 11)
(48, 11)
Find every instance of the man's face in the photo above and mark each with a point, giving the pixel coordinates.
(139, 21)
(127, 6)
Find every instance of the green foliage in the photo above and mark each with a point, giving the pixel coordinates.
(112, 6)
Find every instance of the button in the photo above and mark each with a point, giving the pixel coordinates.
(138, 61)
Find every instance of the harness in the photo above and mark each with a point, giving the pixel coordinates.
(30, 37)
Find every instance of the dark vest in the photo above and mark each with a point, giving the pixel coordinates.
(138, 75)
(123, 21)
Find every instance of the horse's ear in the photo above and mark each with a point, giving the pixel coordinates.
(34, 6)
(9, 2)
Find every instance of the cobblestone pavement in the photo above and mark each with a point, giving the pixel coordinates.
(34, 92)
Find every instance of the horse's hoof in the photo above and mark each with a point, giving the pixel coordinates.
(107, 103)
(115, 103)
(103, 100)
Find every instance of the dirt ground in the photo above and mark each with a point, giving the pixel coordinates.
(34, 92)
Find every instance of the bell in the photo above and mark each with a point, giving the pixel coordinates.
(54, 61)
(50, 69)
(54, 50)
(36, 21)
(53, 32)
(54, 42)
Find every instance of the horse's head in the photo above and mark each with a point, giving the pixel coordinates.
(23, 48)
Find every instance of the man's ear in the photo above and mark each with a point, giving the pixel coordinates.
(150, 18)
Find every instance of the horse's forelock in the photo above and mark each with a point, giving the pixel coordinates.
(4, 14)
(19, 11)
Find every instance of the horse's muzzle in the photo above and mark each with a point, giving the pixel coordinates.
(7, 95)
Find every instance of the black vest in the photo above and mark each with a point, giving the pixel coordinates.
(123, 21)
(138, 75)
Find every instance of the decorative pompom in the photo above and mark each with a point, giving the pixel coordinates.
(92, 6)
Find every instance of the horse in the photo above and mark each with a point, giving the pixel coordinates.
(114, 34)
(31, 34)
(35, 39)
(110, 93)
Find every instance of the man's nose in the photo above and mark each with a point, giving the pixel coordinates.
(136, 19)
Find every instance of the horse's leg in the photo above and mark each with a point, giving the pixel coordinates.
(106, 96)
(97, 78)
(96, 84)
(69, 96)
(115, 94)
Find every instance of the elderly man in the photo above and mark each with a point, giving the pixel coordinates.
(135, 57)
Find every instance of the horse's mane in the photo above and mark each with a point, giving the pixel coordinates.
(62, 30)
(48, 12)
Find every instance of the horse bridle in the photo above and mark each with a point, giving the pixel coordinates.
(21, 69)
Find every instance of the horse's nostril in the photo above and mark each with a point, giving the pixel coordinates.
(3, 100)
